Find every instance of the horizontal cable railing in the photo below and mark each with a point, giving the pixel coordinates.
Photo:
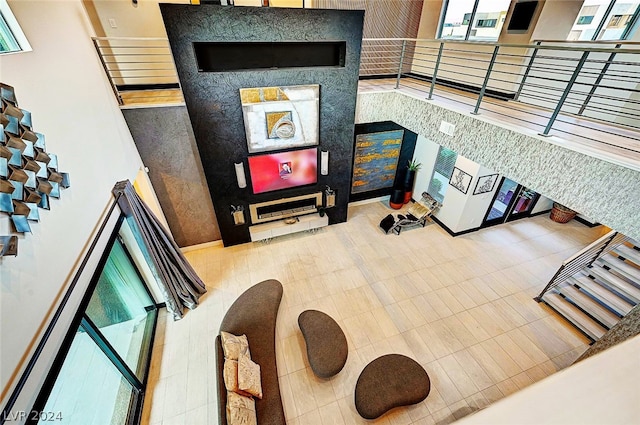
(137, 63)
(557, 88)
(554, 83)
(584, 258)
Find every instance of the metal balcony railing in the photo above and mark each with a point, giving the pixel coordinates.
(589, 89)
(137, 64)
(595, 81)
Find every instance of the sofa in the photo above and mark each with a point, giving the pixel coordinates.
(254, 314)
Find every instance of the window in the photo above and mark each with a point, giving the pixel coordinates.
(605, 20)
(442, 173)
(584, 20)
(456, 18)
(8, 42)
(618, 20)
(12, 38)
(486, 23)
(99, 377)
(473, 19)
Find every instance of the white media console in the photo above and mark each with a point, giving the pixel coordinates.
(285, 216)
(272, 229)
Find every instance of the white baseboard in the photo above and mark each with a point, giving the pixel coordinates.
(201, 246)
(369, 201)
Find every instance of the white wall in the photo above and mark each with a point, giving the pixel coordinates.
(430, 19)
(143, 20)
(459, 212)
(602, 389)
(462, 211)
(543, 204)
(556, 19)
(426, 153)
(63, 85)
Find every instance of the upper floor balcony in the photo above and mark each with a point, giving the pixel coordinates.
(584, 96)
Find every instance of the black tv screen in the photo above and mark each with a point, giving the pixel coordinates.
(522, 15)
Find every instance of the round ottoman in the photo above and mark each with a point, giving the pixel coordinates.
(390, 381)
(326, 344)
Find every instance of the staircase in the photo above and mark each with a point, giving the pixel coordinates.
(595, 288)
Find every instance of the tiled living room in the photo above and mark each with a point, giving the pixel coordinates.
(462, 307)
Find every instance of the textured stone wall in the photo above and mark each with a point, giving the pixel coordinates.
(213, 99)
(626, 328)
(605, 192)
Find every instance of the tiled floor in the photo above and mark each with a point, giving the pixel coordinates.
(462, 307)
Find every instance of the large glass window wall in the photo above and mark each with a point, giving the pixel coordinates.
(100, 372)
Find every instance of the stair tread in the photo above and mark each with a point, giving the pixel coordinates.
(619, 265)
(627, 288)
(588, 304)
(594, 288)
(574, 315)
(628, 253)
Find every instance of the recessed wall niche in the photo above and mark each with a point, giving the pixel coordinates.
(215, 108)
(29, 175)
(236, 56)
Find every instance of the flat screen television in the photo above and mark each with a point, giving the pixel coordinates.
(283, 170)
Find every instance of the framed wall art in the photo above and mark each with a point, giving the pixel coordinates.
(485, 184)
(460, 180)
(277, 118)
(375, 160)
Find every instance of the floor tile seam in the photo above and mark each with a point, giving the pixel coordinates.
(486, 371)
(525, 333)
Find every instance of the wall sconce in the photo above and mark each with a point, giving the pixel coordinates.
(238, 214)
(324, 163)
(330, 197)
(240, 176)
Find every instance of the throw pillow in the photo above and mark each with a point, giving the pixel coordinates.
(240, 410)
(230, 376)
(249, 376)
(233, 345)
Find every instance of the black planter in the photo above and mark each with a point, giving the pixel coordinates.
(409, 178)
(396, 200)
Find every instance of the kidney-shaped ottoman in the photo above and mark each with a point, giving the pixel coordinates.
(390, 381)
(327, 348)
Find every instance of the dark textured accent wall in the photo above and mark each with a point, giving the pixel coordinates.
(166, 144)
(213, 99)
(406, 154)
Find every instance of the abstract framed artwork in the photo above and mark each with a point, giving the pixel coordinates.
(460, 180)
(278, 118)
(485, 184)
(376, 160)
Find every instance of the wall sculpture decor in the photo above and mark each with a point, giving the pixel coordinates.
(29, 175)
(460, 180)
(375, 160)
(485, 184)
(280, 117)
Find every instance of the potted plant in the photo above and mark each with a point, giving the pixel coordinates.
(409, 178)
(561, 214)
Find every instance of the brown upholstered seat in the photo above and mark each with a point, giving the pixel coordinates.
(327, 348)
(254, 314)
(390, 381)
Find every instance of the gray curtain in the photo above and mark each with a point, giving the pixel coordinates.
(177, 280)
